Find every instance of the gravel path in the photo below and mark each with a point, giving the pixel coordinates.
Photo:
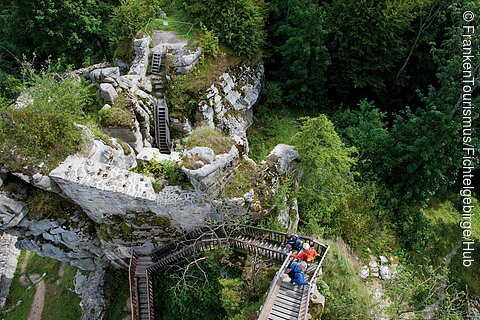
(38, 302)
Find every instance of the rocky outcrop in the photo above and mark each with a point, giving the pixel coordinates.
(182, 58)
(140, 62)
(228, 104)
(206, 170)
(90, 288)
(11, 211)
(8, 264)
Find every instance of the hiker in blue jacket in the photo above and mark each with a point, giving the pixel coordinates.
(297, 274)
(294, 242)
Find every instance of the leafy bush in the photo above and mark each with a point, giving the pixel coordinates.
(211, 138)
(232, 296)
(48, 205)
(237, 23)
(166, 169)
(240, 181)
(128, 18)
(119, 115)
(44, 130)
(209, 43)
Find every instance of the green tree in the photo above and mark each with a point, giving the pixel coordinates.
(237, 23)
(72, 30)
(327, 177)
(369, 40)
(300, 56)
(129, 18)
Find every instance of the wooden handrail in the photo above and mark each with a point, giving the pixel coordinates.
(312, 281)
(150, 301)
(133, 287)
(275, 282)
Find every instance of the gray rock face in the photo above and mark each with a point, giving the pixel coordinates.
(3, 177)
(283, 155)
(91, 289)
(102, 190)
(181, 126)
(148, 154)
(11, 211)
(204, 154)
(8, 263)
(108, 92)
(99, 75)
(140, 63)
(209, 177)
(228, 104)
(184, 60)
(112, 154)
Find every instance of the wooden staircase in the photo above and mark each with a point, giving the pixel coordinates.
(284, 302)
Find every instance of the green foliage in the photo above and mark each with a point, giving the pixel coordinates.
(169, 170)
(232, 296)
(117, 291)
(48, 205)
(209, 137)
(271, 127)
(209, 43)
(300, 54)
(68, 29)
(43, 131)
(349, 297)
(327, 176)
(366, 129)
(119, 115)
(240, 181)
(129, 18)
(115, 227)
(237, 23)
(193, 294)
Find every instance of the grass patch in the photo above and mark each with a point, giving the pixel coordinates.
(49, 205)
(271, 127)
(349, 297)
(240, 181)
(444, 218)
(168, 170)
(211, 138)
(60, 302)
(119, 115)
(117, 290)
(18, 292)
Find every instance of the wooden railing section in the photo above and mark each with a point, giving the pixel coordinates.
(133, 287)
(249, 239)
(151, 307)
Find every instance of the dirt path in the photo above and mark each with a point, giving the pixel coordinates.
(38, 302)
(23, 268)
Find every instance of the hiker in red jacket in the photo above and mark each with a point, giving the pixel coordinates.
(307, 254)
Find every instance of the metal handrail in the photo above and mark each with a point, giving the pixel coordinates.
(273, 285)
(150, 295)
(314, 276)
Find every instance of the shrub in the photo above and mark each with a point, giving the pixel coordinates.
(209, 43)
(44, 130)
(119, 115)
(127, 20)
(211, 138)
(166, 169)
(240, 181)
(237, 23)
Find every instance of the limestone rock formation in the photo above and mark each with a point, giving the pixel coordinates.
(228, 104)
(8, 263)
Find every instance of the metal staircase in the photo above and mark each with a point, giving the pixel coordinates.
(156, 62)
(284, 302)
(162, 131)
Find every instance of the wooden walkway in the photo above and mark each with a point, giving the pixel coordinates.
(285, 301)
